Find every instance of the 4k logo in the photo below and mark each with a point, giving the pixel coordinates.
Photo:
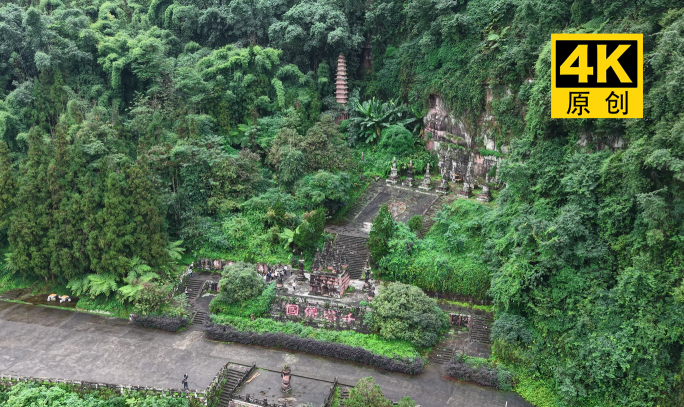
(596, 76)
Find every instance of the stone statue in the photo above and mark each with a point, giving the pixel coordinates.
(394, 177)
(409, 175)
(285, 386)
(426, 180)
(485, 196)
(443, 187)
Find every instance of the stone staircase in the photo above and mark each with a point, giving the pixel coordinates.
(357, 252)
(194, 286)
(427, 218)
(198, 317)
(441, 353)
(355, 209)
(480, 328)
(344, 395)
(236, 375)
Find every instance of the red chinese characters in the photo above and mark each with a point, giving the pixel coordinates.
(330, 315)
(311, 312)
(348, 318)
(292, 309)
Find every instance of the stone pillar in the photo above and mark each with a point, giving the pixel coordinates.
(409, 175)
(485, 196)
(285, 387)
(426, 180)
(443, 187)
(394, 177)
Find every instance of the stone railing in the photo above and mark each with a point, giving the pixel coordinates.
(214, 390)
(331, 395)
(182, 281)
(249, 401)
(11, 380)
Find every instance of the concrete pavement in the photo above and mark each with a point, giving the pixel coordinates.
(55, 343)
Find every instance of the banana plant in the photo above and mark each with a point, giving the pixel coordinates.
(372, 116)
(288, 236)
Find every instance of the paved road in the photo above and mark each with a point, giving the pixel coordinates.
(55, 343)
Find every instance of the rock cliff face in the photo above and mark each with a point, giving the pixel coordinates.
(458, 143)
(461, 142)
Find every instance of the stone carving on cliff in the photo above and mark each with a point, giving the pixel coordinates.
(459, 152)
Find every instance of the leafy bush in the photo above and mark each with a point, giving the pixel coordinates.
(372, 116)
(257, 306)
(470, 369)
(511, 329)
(404, 312)
(60, 395)
(165, 323)
(332, 191)
(309, 232)
(367, 393)
(315, 341)
(396, 140)
(449, 258)
(240, 282)
(415, 223)
(380, 234)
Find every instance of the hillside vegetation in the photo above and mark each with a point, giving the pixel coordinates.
(128, 126)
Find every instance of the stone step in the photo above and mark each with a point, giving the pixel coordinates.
(198, 318)
(344, 395)
(480, 329)
(356, 249)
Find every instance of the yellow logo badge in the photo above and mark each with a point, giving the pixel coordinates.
(597, 76)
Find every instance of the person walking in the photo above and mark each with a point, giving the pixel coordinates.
(185, 382)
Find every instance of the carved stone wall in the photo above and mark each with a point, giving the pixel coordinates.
(449, 133)
(320, 313)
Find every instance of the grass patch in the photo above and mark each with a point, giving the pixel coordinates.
(103, 304)
(486, 308)
(370, 342)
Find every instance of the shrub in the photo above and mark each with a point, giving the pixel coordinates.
(381, 232)
(397, 140)
(511, 329)
(314, 346)
(309, 232)
(415, 223)
(404, 312)
(367, 393)
(39, 394)
(468, 369)
(449, 258)
(166, 323)
(240, 282)
(257, 306)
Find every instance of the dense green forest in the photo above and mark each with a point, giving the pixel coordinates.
(133, 129)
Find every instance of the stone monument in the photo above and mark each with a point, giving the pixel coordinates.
(285, 386)
(466, 192)
(300, 271)
(426, 180)
(393, 174)
(485, 195)
(443, 187)
(409, 175)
